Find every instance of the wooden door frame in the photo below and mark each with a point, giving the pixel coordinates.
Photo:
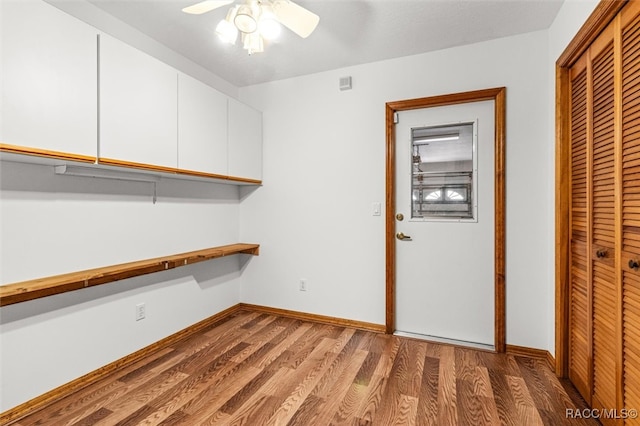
(602, 15)
(498, 95)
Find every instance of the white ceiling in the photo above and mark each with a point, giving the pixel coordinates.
(350, 32)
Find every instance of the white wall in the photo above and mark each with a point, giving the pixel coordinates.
(55, 224)
(324, 159)
(570, 18)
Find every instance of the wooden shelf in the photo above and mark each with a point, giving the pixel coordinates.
(38, 156)
(178, 173)
(36, 152)
(48, 286)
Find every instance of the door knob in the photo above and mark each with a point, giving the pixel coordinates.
(401, 236)
(601, 253)
(633, 264)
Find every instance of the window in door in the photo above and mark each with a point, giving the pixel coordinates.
(444, 168)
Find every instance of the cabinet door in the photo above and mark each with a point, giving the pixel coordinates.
(245, 141)
(579, 294)
(605, 114)
(202, 127)
(49, 79)
(631, 205)
(604, 282)
(138, 106)
(593, 331)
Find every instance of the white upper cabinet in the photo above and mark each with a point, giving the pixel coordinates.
(49, 79)
(138, 106)
(202, 127)
(245, 141)
(70, 91)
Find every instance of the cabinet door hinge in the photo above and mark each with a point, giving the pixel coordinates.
(395, 118)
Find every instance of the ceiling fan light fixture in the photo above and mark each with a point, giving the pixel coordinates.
(227, 32)
(245, 20)
(253, 43)
(268, 25)
(225, 29)
(258, 20)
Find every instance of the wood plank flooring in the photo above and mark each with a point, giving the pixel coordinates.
(258, 369)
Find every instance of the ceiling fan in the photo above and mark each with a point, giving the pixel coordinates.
(258, 20)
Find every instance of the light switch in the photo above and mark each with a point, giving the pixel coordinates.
(377, 209)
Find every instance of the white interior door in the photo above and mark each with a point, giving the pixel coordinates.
(445, 280)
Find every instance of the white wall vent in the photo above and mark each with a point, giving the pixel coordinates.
(345, 83)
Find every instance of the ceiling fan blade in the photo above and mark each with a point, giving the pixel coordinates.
(205, 6)
(298, 19)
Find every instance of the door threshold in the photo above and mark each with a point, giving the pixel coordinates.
(446, 341)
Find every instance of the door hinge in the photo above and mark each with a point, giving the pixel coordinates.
(395, 118)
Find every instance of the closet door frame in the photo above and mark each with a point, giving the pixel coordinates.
(601, 17)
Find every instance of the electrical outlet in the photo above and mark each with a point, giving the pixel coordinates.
(303, 284)
(140, 311)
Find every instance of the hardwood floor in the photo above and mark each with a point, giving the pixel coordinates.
(253, 369)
